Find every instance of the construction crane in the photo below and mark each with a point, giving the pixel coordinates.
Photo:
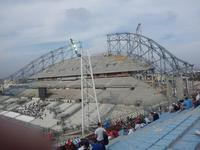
(139, 29)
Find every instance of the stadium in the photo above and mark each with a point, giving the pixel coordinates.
(135, 75)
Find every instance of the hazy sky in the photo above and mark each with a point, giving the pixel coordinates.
(30, 28)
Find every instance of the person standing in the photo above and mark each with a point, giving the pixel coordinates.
(99, 132)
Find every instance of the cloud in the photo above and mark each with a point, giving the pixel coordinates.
(76, 20)
(29, 28)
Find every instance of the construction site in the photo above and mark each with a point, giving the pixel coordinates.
(67, 91)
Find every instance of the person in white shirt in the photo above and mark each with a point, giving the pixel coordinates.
(147, 121)
(99, 132)
(198, 96)
(130, 131)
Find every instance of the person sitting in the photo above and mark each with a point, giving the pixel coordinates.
(84, 145)
(180, 105)
(130, 131)
(138, 120)
(190, 103)
(147, 121)
(175, 107)
(181, 101)
(137, 126)
(76, 141)
(110, 134)
(197, 103)
(69, 145)
(196, 100)
(121, 132)
(171, 109)
(155, 116)
(187, 103)
(106, 124)
(150, 117)
(115, 133)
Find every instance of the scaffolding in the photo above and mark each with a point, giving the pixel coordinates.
(164, 64)
(88, 92)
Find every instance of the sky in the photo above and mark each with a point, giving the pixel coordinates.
(30, 28)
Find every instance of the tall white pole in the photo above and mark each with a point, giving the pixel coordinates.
(83, 99)
(82, 96)
(75, 48)
(94, 90)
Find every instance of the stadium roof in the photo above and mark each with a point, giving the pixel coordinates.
(100, 64)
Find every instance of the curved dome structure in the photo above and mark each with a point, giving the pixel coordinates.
(130, 44)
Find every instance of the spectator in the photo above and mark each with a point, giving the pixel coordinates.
(69, 145)
(84, 144)
(171, 109)
(122, 132)
(181, 101)
(150, 117)
(180, 105)
(76, 141)
(190, 103)
(175, 107)
(106, 124)
(130, 131)
(147, 121)
(198, 96)
(99, 132)
(115, 133)
(187, 103)
(155, 116)
(196, 100)
(112, 134)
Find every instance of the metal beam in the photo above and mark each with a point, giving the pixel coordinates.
(148, 50)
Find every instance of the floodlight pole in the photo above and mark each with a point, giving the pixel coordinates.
(86, 64)
(82, 97)
(75, 48)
